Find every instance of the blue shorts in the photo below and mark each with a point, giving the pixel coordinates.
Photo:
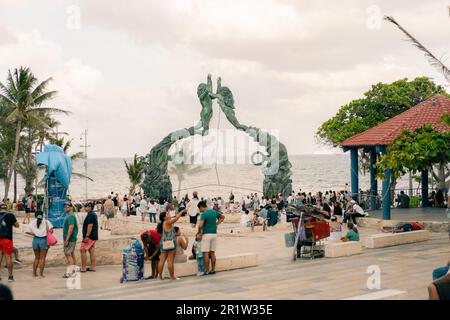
(40, 243)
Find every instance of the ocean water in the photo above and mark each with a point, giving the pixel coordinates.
(309, 173)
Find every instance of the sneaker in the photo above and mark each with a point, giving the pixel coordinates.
(199, 274)
(17, 261)
(205, 274)
(212, 272)
(10, 279)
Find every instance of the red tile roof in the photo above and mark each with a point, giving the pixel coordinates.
(426, 112)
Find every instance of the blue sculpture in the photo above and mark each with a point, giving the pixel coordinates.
(57, 181)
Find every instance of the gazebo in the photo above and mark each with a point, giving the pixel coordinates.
(375, 141)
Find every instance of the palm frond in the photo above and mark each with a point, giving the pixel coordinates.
(51, 110)
(6, 94)
(34, 121)
(43, 97)
(76, 156)
(80, 175)
(435, 62)
(13, 116)
(39, 89)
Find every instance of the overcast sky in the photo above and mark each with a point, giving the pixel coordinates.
(132, 67)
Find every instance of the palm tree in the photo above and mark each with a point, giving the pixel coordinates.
(6, 140)
(183, 169)
(37, 133)
(432, 59)
(135, 172)
(441, 176)
(25, 96)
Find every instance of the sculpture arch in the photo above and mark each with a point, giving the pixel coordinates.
(277, 168)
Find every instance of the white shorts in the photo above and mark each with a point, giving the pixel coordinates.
(209, 242)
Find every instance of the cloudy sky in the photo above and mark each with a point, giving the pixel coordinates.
(129, 69)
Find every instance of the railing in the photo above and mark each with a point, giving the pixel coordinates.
(415, 198)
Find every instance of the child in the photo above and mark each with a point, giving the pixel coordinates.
(352, 234)
(197, 248)
(335, 229)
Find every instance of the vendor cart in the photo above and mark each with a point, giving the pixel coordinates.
(310, 229)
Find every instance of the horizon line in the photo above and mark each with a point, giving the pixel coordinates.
(293, 154)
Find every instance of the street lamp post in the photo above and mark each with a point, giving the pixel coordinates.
(85, 146)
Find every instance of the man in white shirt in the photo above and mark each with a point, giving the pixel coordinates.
(143, 207)
(354, 212)
(290, 199)
(192, 209)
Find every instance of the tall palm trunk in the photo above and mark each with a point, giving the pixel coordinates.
(13, 160)
(29, 176)
(15, 186)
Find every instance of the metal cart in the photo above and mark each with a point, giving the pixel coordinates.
(310, 230)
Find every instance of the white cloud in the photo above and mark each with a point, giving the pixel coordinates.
(133, 67)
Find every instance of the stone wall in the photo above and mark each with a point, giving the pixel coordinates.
(432, 226)
(135, 227)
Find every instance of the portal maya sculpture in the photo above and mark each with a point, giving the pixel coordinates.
(276, 165)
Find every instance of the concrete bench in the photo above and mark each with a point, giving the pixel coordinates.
(394, 239)
(238, 261)
(342, 249)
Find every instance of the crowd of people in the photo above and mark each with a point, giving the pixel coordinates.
(166, 242)
(41, 231)
(203, 214)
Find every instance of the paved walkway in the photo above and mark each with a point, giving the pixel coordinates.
(405, 274)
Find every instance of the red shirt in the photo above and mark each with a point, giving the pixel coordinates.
(416, 226)
(155, 236)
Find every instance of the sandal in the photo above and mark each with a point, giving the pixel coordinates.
(90, 270)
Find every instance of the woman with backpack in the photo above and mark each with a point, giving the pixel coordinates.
(39, 229)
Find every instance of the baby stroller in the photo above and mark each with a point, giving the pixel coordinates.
(133, 262)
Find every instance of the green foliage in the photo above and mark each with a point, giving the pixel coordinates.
(6, 140)
(380, 103)
(66, 145)
(416, 151)
(135, 171)
(446, 119)
(21, 110)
